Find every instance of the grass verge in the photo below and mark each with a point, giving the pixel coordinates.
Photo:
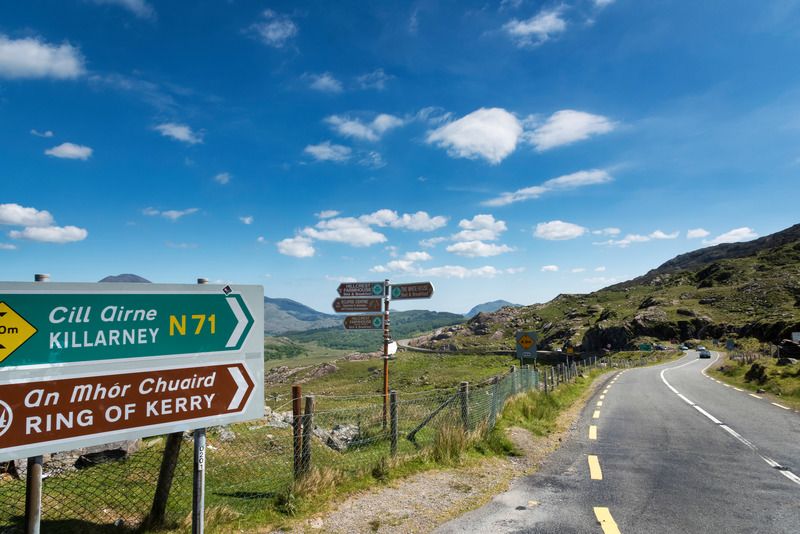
(780, 381)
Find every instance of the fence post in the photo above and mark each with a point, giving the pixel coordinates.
(544, 381)
(493, 412)
(527, 377)
(308, 432)
(297, 429)
(513, 371)
(393, 419)
(463, 391)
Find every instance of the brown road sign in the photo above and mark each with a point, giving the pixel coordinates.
(360, 289)
(356, 305)
(419, 290)
(363, 322)
(62, 411)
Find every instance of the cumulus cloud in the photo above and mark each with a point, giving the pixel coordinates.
(625, 241)
(488, 133)
(432, 242)
(247, 219)
(299, 247)
(733, 236)
(50, 234)
(561, 183)
(537, 29)
(70, 151)
(31, 58)
(477, 249)
(549, 268)
(172, 215)
(179, 132)
(444, 271)
(481, 227)
(326, 214)
(365, 131)
(140, 8)
(420, 221)
(607, 231)
(37, 133)
(275, 29)
(558, 230)
(324, 83)
(697, 233)
(376, 79)
(350, 230)
(326, 151)
(16, 215)
(568, 126)
(222, 178)
(417, 256)
(658, 234)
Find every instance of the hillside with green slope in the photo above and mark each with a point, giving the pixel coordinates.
(734, 290)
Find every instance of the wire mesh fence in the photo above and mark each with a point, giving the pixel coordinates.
(255, 468)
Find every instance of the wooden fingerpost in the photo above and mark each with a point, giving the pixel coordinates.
(393, 418)
(297, 429)
(308, 432)
(463, 391)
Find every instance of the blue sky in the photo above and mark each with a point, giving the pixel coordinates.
(513, 149)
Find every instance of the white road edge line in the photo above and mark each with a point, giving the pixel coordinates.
(772, 463)
(780, 406)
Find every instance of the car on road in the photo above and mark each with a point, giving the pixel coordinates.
(701, 348)
(683, 347)
(705, 354)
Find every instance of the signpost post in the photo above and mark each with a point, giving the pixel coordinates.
(365, 297)
(88, 364)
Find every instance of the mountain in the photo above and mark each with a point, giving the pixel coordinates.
(286, 315)
(490, 307)
(126, 278)
(733, 290)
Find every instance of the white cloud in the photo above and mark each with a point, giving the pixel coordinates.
(248, 219)
(325, 83)
(181, 245)
(172, 215)
(537, 29)
(458, 271)
(607, 231)
(696, 233)
(299, 247)
(477, 249)
(578, 270)
(326, 214)
(32, 58)
(432, 242)
(261, 240)
(420, 221)
(491, 134)
(37, 133)
(179, 132)
(7, 246)
(733, 236)
(340, 279)
(600, 269)
(568, 126)
(276, 29)
(561, 183)
(372, 160)
(627, 240)
(658, 234)
(603, 3)
(222, 178)
(417, 256)
(348, 230)
(50, 234)
(481, 227)
(365, 131)
(70, 151)
(140, 8)
(549, 268)
(558, 230)
(326, 151)
(374, 80)
(17, 215)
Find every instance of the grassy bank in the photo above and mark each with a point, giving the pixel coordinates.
(781, 381)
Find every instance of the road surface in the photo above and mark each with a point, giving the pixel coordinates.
(663, 449)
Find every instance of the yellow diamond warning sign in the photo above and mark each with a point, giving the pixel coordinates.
(14, 331)
(526, 342)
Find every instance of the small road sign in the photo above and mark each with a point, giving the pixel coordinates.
(360, 289)
(357, 305)
(14, 331)
(796, 337)
(363, 322)
(526, 344)
(419, 290)
(730, 344)
(64, 410)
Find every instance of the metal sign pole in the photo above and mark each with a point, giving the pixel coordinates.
(199, 475)
(385, 351)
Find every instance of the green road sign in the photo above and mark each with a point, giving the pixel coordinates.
(41, 327)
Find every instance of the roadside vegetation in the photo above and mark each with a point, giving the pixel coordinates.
(763, 375)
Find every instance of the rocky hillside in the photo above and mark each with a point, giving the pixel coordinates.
(734, 290)
(287, 315)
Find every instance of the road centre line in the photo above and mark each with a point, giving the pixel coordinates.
(602, 397)
(595, 473)
(607, 522)
(596, 414)
(599, 403)
(592, 432)
(772, 463)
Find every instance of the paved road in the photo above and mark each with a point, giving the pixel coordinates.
(666, 450)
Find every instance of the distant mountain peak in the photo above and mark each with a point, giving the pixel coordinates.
(492, 306)
(126, 278)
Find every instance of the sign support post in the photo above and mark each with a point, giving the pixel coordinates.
(199, 472)
(386, 336)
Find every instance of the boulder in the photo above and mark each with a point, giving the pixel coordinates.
(786, 361)
(339, 437)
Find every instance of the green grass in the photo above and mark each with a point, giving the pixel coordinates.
(781, 381)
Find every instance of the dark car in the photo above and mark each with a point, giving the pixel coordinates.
(705, 354)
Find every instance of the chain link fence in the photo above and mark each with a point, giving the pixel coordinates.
(255, 471)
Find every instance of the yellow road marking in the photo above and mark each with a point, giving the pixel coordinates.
(754, 395)
(599, 403)
(594, 468)
(605, 390)
(596, 414)
(592, 432)
(607, 522)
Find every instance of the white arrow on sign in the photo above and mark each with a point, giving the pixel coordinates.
(240, 326)
(241, 385)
